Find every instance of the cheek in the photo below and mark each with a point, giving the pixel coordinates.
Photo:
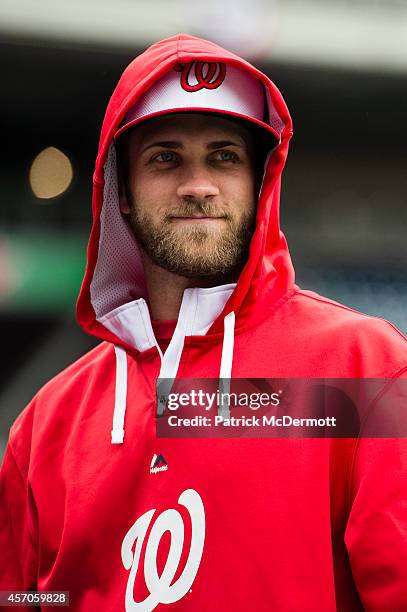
(148, 186)
(243, 194)
(152, 195)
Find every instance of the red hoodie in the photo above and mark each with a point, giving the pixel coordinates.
(223, 524)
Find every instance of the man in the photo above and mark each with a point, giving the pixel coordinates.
(189, 276)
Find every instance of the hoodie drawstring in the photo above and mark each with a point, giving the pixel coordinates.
(224, 379)
(120, 395)
(226, 363)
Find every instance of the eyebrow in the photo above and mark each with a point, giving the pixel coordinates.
(219, 144)
(174, 144)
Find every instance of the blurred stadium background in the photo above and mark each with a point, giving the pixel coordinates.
(342, 67)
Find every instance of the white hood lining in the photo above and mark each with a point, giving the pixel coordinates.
(274, 118)
(118, 277)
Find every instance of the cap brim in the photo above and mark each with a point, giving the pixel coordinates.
(263, 128)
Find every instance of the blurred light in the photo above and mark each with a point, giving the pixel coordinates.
(50, 173)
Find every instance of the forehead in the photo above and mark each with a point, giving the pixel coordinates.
(186, 127)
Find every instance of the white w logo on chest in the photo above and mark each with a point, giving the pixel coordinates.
(160, 587)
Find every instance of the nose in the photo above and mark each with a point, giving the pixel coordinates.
(197, 183)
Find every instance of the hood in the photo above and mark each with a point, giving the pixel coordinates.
(114, 273)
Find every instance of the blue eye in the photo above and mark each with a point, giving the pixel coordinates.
(165, 156)
(227, 156)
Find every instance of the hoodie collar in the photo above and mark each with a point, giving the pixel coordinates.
(131, 322)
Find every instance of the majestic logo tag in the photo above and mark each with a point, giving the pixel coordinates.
(158, 464)
(206, 75)
(160, 587)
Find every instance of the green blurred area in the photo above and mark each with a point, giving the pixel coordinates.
(41, 271)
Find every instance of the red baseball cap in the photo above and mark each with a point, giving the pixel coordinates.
(205, 87)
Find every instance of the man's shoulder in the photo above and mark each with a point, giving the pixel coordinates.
(325, 310)
(62, 391)
(348, 334)
(92, 363)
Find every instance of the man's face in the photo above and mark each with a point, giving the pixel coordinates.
(190, 193)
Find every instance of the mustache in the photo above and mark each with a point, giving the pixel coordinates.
(189, 208)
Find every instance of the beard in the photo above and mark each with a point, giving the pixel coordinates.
(191, 250)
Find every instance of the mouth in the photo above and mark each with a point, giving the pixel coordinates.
(197, 218)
